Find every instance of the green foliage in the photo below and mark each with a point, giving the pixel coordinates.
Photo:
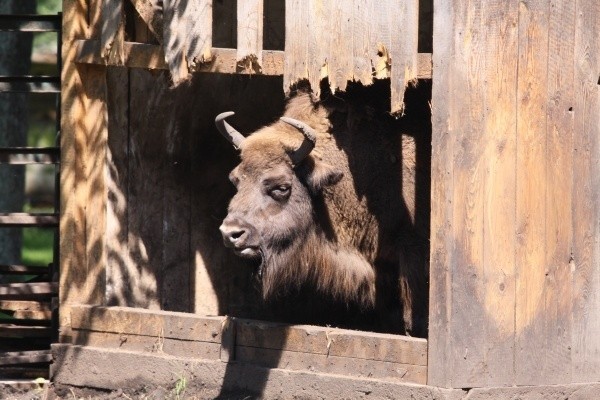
(49, 6)
(180, 386)
(37, 246)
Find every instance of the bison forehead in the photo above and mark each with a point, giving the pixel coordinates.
(265, 150)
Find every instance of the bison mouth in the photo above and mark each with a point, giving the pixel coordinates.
(250, 252)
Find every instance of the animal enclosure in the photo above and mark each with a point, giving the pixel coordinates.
(515, 211)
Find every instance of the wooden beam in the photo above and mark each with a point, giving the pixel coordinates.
(141, 55)
(26, 290)
(27, 219)
(149, 11)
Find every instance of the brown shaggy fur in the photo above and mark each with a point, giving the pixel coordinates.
(348, 227)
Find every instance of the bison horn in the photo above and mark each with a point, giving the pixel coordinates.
(308, 143)
(234, 137)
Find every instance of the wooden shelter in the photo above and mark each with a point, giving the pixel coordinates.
(515, 205)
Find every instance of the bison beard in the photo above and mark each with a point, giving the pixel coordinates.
(332, 217)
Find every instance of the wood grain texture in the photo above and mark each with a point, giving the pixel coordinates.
(295, 68)
(249, 33)
(467, 122)
(151, 13)
(330, 364)
(442, 220)
(586, 202)
(514, 269)
(187, 36)
(499, 90)
(558, 296)
(113, 30)
(82, 127)
(531, 192)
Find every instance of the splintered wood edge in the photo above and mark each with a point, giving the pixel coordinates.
(148, 56)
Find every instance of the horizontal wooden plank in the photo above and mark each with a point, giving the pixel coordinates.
(322, 363)
(30, 23)
(29, 155)
(25, 322)
(135, 321)
(27, 219)
(141, 55)
(12, 331)
(151, 344)
(331, 341)
(33, 315)
(382, 347)
(16, 305)
(268, 335)
(23, 270)
(25, 357)
(23, 291)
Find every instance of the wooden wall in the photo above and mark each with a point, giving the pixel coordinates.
(515, 270)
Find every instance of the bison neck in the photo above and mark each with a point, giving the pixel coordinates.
(339, 271)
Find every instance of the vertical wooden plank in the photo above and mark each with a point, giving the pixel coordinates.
(187, 36)
(296, 31)
(151, 13)
(531, 192)
(341, 53)
(499, 87)
(146, 186)
(319, 12)
(361, 41)
(440, 269)
(83, 135)
(381, 38)
(467, 125)
(112, 31)
(249, 33)
(177, 174)
(120, 270)
(403, 48)
(586, 201)
(559, 163)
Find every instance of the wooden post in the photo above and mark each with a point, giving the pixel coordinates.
(83, 142)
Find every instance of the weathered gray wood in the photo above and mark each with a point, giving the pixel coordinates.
(112, 30)
(331, 341)
(330, 364)
(558, 296)
(120, 268)
(531, 193)
(295, 69)
(187, 36)
(177, 266)
(585, 266)
(403, 48)
(25, 357)
(362, 35)
(151, 13)
(147, 143)
(441, 248)
(151, 344)
(14, 290)
(498, 153)
(249, 34)
(135, 321)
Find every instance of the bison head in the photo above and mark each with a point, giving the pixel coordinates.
(272, 217)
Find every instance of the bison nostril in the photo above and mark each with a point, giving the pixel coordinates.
(237, 234)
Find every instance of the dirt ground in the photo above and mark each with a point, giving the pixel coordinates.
(52, 392)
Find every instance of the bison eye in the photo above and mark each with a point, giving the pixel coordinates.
(280, 193)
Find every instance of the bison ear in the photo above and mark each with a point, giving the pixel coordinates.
(317, 174)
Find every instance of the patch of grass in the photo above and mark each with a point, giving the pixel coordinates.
(37, 246)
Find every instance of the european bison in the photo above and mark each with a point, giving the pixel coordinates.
(327, 196)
